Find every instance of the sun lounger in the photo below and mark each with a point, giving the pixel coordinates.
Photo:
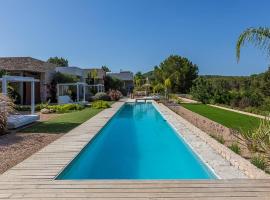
(64, 100)
(16, 121)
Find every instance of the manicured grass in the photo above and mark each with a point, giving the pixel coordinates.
(227, 118)
(63, 123)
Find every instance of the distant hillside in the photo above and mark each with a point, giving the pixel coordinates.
(150, 75)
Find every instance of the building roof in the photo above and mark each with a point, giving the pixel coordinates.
(123, 75)
(25, 64)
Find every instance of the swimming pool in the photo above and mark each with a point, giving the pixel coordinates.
(137, 143)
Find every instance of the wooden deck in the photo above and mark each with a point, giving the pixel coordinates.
(203, 190)
(34, 177)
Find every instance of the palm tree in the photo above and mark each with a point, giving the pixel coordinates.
(167, 85)
(260, 37)
(93, 75)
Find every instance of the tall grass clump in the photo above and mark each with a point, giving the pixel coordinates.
(235, 148)
(260, 162)
(6, 108)
(258, 143)
(219, 138)
(258, 140)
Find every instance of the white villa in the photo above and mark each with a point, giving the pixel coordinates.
(43, 71)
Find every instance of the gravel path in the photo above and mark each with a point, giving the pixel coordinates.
(15, 147)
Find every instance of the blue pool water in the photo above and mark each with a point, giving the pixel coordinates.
(137, 143)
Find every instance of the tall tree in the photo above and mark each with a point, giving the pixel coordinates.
(105, 68)
(179, 70)
(61, 62)
(260, 37)
(168, 85)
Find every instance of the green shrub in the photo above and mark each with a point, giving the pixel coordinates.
(173, 96)
(54, 108)
(202, 90)
(65, 108)
(101, 104)
(159, 88)
(179, 101)
(260, 162)
(101, 96)
(258, 140)
(235, 148)
(38, 107)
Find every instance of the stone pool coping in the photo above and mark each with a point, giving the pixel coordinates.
(224, 162)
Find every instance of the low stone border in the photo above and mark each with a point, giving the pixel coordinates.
(203, 123)
(234, 159)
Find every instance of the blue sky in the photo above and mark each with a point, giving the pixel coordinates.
(135, 34)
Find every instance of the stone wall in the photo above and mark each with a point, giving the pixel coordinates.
(203, 123)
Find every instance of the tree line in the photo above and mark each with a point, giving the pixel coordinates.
(175, 74)
(250, 93)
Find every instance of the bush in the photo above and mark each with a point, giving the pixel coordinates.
(235, 148)
(65, 108)
(51, 108)
(102, 96)
(258, 140)
(259, 161)
(202, 90)
(38, 107)
(235, 98)
(6, 108)
(115, 95)
(100, 104)
(159, 88)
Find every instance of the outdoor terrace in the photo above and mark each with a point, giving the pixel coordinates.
(34, 177)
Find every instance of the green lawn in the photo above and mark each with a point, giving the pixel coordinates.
(63, 123)
(227, 118)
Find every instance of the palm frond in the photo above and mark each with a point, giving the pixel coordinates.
(260, 37)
